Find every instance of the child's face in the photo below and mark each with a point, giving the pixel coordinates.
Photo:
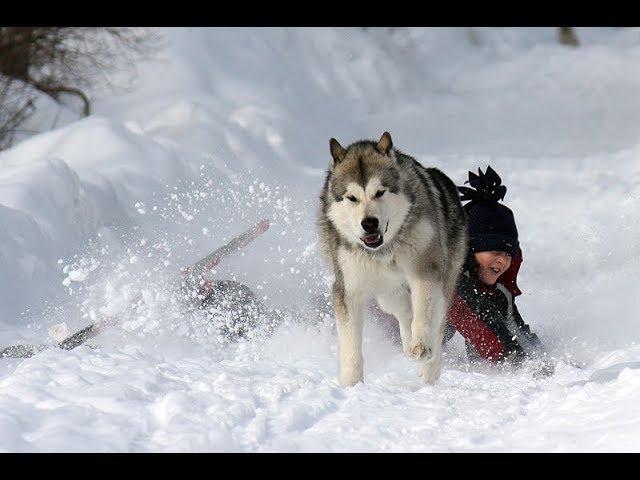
(491, 265)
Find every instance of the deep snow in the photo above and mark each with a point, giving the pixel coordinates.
(227, 126)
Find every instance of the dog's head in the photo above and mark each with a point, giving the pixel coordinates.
(365, 201)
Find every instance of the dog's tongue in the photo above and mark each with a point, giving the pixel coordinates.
(372, 237)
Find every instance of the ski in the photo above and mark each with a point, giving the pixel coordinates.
(194, 277)
(69, 343)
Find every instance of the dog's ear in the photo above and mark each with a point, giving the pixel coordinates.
(337, 152)
(385, 143)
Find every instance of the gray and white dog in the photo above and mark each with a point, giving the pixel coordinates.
(392, 229)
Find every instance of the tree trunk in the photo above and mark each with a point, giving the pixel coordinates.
(567, 36)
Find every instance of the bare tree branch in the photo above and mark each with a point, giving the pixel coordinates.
(62, 60)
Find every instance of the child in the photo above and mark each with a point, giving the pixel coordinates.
(483, 310)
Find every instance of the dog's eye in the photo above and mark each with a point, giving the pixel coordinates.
(352, 198)
(379, 193)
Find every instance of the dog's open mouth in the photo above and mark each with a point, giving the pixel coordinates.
(372, 240)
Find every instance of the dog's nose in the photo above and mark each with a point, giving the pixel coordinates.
(369, 224)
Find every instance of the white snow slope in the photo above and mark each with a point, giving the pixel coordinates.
(227, 126)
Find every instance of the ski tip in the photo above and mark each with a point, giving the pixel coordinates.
(263, 225)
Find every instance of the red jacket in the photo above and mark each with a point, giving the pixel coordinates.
(487, 317)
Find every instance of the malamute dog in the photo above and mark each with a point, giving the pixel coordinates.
(392, 229)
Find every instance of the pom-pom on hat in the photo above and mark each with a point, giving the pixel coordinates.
(491, 225)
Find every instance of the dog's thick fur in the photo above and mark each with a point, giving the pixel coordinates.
(409, 259)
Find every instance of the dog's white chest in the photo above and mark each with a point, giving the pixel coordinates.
(371, 276)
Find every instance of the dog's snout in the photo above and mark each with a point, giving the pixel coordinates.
(369, 224)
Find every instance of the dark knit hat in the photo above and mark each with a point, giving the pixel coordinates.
(491, 225)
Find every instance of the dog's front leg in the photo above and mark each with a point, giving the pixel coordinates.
(427, 327)
(398, 303)
(349, 309)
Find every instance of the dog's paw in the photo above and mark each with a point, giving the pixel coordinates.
(350, 382)
(417, 350)
(350, 379)
(430, 371)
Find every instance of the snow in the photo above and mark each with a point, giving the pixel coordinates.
(227, 126)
